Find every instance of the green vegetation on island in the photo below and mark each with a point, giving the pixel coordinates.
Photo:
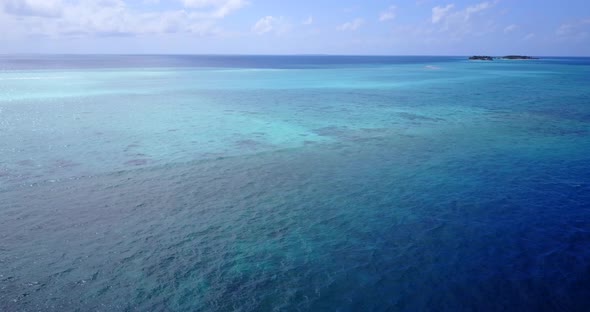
(507, 57)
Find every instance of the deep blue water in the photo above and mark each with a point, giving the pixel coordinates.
(294, 183)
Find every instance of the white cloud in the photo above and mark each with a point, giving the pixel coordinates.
(476, 8)
(308, 21)
(459, 23)
(267, 24)
(217, 8)
(439, 12)
(202, 3)
(264, 25)
(64, 18)
(46, 8)
(388, 14)
(574, 27)
(352, 25)
(574, 30)
(445, 14)
(564, 29)
(510, 28)
(529, 36)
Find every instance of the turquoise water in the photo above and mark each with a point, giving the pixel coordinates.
(241, 183)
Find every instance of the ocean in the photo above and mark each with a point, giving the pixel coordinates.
(294, 183)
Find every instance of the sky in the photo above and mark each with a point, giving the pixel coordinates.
(369, 27)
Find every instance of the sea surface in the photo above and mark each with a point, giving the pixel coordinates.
(294, 183)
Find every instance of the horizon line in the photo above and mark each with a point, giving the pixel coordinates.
(281, 54)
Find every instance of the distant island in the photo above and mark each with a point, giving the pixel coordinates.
(519, 57)
(507, 57)
(481, 58)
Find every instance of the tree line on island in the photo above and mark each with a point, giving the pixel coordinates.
(507, 57)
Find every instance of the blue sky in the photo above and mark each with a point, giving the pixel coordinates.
(412, 27)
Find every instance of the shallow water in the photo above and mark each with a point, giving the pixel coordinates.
(294, 183)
